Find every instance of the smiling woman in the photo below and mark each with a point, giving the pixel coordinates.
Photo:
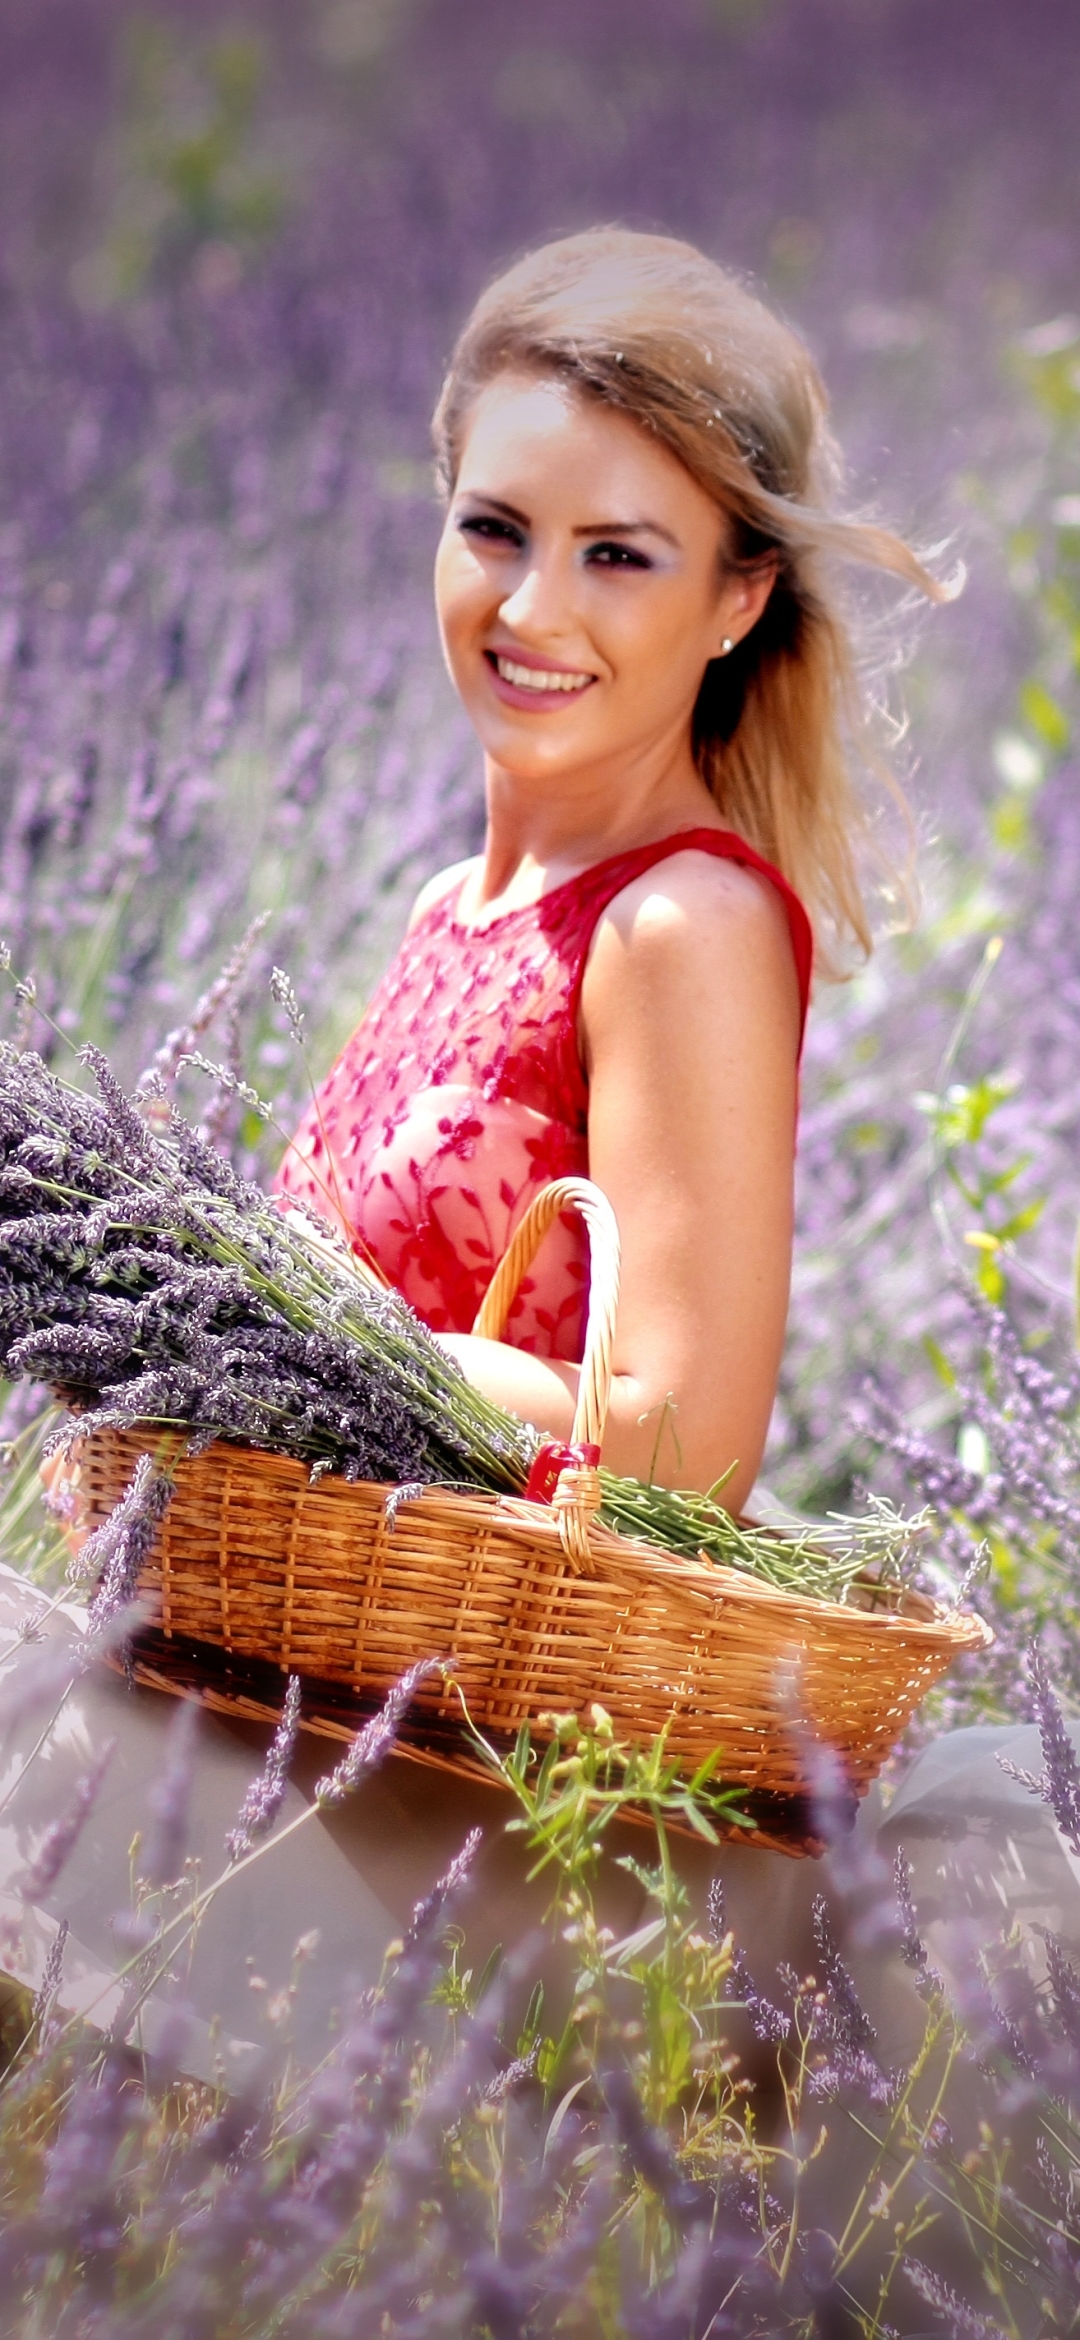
(584, 574)
(636, 594)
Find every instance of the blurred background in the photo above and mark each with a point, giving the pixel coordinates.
(236, 242)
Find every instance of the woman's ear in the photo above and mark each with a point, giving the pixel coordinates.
(745, 593)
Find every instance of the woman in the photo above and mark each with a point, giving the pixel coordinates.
(639, 605)
(639, 609)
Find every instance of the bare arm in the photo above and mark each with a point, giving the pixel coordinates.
(690, 1021)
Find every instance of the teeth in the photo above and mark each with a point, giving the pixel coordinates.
(534, 678)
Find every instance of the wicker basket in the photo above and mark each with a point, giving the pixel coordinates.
(257, 1573)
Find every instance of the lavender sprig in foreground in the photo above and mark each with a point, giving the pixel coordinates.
(266, 1793)
(1059, 1785)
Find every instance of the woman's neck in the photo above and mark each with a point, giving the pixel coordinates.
(538, 836)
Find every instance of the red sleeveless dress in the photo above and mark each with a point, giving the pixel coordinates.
(462, 1092)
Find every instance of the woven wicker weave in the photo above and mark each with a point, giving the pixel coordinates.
(258, 1573)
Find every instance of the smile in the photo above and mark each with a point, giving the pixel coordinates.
(538, 678)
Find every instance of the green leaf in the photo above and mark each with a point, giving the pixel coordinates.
(1022, 1221)
(990, 1279)
(1044, 715)
(534, 2016)
(1010, 824)
(939, 1361)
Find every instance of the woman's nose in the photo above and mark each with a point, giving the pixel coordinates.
(541, 603)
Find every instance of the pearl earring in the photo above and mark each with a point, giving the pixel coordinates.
(726, 645)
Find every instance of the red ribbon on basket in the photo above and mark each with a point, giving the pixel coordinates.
(550, 1460)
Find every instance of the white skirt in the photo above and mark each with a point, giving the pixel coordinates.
(350, 1877)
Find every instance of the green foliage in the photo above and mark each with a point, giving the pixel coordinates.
(191, 188)
(960, 1118)
(30, 1539)
(1043, 554)
(568, 1798)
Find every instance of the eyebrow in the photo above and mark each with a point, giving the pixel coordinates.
(596, 528)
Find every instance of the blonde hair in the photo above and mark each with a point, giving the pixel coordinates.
(649, 326)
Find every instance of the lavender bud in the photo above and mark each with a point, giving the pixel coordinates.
(514, 2075)
(224, 1079)
(1060, 1783)
(128, 1123)
(62, 1836)
(283, 992)
(170, 1799)
(911, 1945)
(961, 2322)
(265, 1796)
(223, 994)
(1065, 1982)
(368, 1749)
(428, 1912)
(54, 1967)
(847, 2014)
(119, 1548)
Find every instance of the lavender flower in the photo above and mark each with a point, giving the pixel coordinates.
(649, 2153)
(769, 2023)
(1059, 1784)
(846, 2010)
(126, 1126)
(513, 2075)
(230, 1082)
(912, 1947)
(961, 2322)
(62, 1835)
(118, 1550)
(428, 1912)
(285, 995)
(170, 1799)
(219, 1000)
(849, 2063)
(266, 1794)
(372, 1744)
(52, 1972)
(1065, 1982)
(79, 2194)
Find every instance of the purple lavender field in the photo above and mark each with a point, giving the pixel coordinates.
(234, 247)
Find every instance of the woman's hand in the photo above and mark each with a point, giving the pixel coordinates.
(689, 1030)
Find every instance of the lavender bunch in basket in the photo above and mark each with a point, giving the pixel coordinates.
(145, 1282)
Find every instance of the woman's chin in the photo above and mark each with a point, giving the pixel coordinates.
(532, 748)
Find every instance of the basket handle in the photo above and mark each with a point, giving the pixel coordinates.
(577, 1495)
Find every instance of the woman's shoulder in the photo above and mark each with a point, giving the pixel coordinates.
(696, 895)
(698, 920)
(444, 882)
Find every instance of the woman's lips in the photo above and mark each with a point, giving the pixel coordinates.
(527, 682)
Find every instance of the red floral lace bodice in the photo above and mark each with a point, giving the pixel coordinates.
(462, 1092)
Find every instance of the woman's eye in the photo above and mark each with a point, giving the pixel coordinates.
(617, 556)
(490, 530)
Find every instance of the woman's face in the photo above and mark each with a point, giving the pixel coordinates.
(580, 584)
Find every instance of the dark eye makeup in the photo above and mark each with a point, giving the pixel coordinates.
(490, 529)
(606, 553)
